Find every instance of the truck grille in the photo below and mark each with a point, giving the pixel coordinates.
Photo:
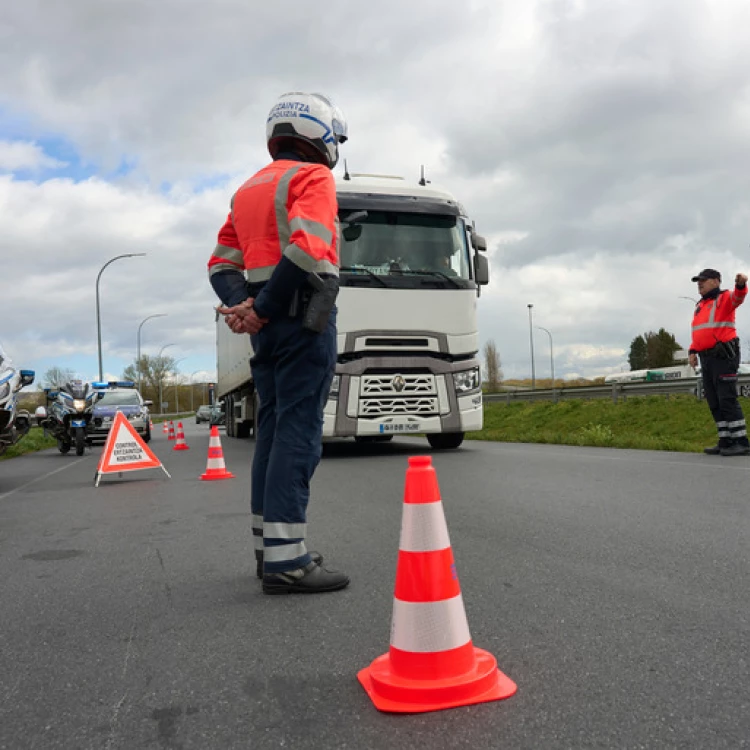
(391, 394)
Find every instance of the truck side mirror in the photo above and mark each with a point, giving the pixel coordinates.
(478, 242)
(481, 270)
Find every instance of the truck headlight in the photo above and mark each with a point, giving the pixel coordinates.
(79, 404)
(467, 380)
(335, 386)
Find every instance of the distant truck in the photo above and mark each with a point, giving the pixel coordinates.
(412, 267)
(656, 374)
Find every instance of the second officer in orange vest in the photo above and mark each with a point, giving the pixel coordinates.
(715, 343)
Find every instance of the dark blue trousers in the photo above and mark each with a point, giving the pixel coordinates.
(292, 369)
(720, 389)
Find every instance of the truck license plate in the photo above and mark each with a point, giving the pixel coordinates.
(410, 427)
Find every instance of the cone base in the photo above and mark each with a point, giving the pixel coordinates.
(181, 448)
(223, 475)
(396, 694)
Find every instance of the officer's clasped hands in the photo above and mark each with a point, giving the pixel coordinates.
(242, 318)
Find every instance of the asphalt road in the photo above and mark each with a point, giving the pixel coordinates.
(612, 587)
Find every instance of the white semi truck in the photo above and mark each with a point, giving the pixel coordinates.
(411, 270)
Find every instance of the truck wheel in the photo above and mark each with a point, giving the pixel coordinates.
(80, 441)
(445, 440)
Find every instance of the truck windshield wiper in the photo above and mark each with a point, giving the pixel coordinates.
(440, 274)
(365, 272)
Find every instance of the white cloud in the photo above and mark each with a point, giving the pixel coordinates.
(25, 155)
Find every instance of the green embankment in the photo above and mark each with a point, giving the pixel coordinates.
(34, 441)
(676, 423)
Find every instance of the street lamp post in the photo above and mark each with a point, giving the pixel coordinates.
(551, 362)
(98, 308)
(531, 340)
(177, 388)
(192, 389)
(161, 407)
(138, 360)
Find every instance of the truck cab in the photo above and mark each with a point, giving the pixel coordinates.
(411, 270)
(410, 274)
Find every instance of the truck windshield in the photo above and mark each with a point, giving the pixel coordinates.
(407, 245)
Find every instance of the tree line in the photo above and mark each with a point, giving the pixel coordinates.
(157, 376)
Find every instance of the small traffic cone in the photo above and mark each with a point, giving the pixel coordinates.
(171, 430)
(180, 445)
(215, 468)
(432, 663)
(165, 428)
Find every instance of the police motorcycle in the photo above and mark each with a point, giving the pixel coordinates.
(69, 414)
(14, 422)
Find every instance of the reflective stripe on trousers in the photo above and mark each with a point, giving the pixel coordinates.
(292, 369)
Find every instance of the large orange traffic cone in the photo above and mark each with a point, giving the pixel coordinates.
(180, 445)
(215, 468)
(171, 430)
(432, 663)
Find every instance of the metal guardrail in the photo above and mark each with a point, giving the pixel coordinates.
(615, 391)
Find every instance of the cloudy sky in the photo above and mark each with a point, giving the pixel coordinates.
(603, 148)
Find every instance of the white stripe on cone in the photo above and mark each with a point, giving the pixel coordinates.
(429, 627)
(423, 528)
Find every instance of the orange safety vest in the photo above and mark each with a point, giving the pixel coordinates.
(713, 320)
(287, 208)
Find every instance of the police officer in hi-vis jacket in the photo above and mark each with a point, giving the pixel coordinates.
(715, 343)
(275, 268)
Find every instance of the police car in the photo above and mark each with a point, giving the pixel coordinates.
(119, 395)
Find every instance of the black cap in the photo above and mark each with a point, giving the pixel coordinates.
(707, 273)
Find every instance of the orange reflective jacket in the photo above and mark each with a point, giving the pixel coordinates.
(287, 208)
(713, 320)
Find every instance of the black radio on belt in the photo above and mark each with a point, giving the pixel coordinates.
(322, 299)
(724, 349)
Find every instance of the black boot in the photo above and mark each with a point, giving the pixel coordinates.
(311, 579)
(714, 450)
(316, 558)
(736, 449)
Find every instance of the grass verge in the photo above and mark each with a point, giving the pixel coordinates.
(674, 423)
(31, 442)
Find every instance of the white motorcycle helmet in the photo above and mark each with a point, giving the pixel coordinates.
(311, 118)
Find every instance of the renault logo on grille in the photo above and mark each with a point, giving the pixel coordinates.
(398, 383)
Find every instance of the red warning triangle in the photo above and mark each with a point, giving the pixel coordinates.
(125, 451)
